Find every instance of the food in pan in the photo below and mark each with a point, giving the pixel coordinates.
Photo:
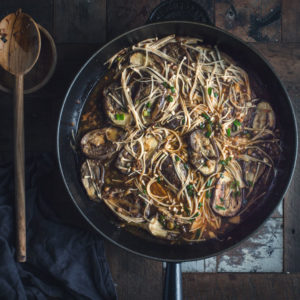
(176, 142)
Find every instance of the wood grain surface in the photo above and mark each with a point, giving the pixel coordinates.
(138, 278)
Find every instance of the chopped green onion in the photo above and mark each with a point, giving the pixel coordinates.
(146, 113)
(209, 181)
(208, 134)
(148, 104)
(189, 187)
(237, 123)
(187, 210)
(202, 126)
(223, 162)
(197, 234)
(221, 199)
(177, 158)
(228, 132)
(165, 84)
(186, 166)
(158, 179)
(209, 90)
(170, 98)
(183, 121)
(199, 205)
(205, 116)
(172, 89)
(220, 207)
(208, 194)
(145, 191)
(216, 95)
(119, 117)
(162, 219)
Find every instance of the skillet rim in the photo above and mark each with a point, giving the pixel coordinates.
(294, 148)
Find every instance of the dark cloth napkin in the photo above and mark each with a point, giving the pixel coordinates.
(62, 262)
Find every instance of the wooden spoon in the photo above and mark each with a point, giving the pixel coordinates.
(20, 45)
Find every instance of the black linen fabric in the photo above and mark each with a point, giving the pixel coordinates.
(62, 262)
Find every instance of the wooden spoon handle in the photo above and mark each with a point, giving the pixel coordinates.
(19, 168)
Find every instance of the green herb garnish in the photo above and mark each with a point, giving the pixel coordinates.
(148, 104)
(225, 162)
(228, 132)
(165, 84)
(172, 89)
(119, 117)
(208, 194)
(170, 98)
(197, 234)
(208, 134)
(209, 181)
(162, 219)
(205, 116)
(202, 126)
(187, 210)
(177, 158)
(209, 90)
(221, 199)
(186, 166)
(144, 191)
(216, 95)
(158, 179)
(146, 113)
(199, 205)
(220, 207)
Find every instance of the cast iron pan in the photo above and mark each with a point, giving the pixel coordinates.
(152, 248)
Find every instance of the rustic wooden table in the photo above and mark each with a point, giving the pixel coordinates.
(268, 262)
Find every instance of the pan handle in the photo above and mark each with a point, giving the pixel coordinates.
(173, 282)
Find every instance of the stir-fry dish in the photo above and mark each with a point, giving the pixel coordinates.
(185, 148)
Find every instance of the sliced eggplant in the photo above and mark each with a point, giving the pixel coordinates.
(114, 106)
(227, 199)
(92, 178)
(98, 143)
(200, 143)
(203, 153)
(264, 117)
(125, 203)
(174, 171)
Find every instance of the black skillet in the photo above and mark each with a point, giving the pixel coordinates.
(270, 87)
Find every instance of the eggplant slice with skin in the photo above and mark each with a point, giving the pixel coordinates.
(174, 171)
(92, 178)
(203, 153)
(99, 143)
(125, 203)
(114, 106)
(227, 199)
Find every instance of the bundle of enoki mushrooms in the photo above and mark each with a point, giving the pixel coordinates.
(191, 147)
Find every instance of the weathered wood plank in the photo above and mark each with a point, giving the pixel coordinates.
(41, 11)
(250, 20)
(125, 15)
(291, 21)
(262, 252)
(80, 21)
(241, 286)
(136, 277)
